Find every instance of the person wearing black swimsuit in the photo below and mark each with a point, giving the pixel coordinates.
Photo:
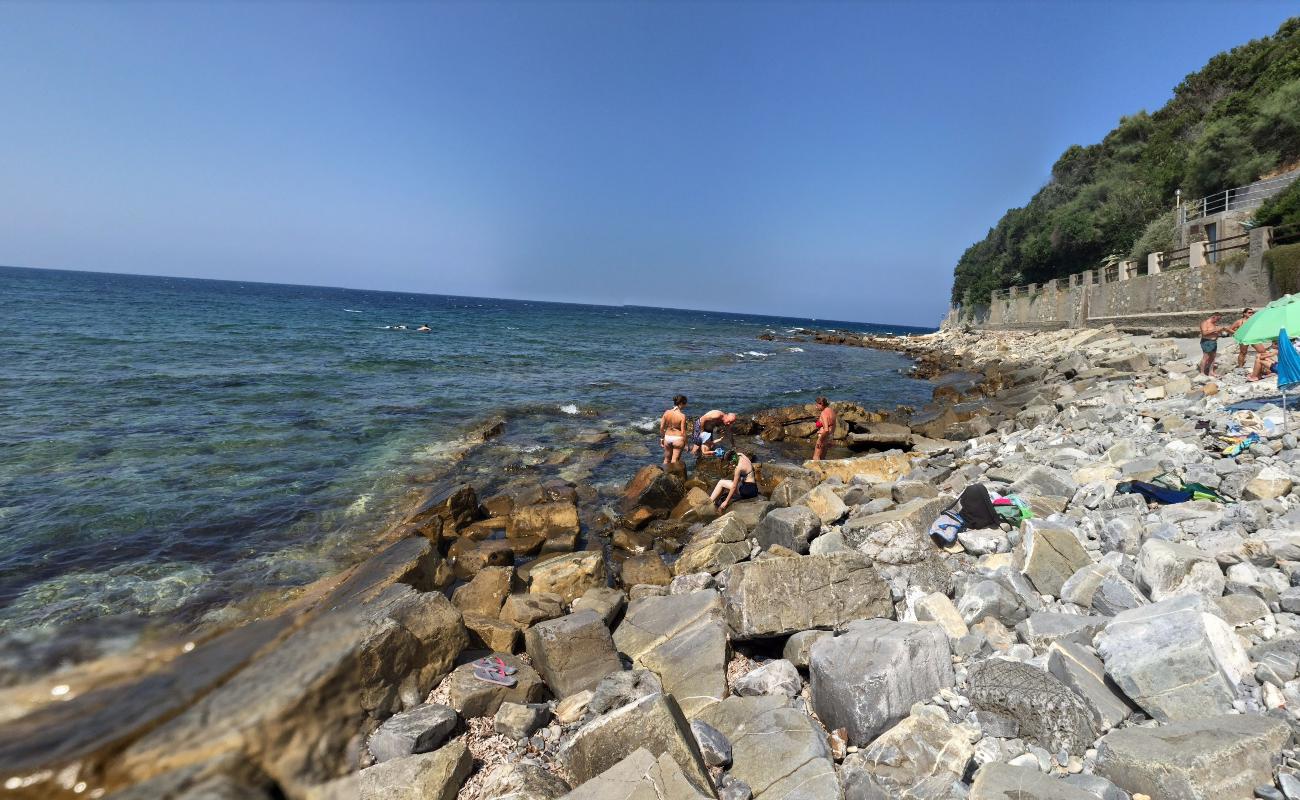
(742, 483)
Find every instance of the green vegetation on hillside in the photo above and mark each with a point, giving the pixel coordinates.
(1230, 123)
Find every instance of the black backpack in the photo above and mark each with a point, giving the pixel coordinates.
(977, 509)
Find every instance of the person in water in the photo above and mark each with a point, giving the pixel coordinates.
(710, 428)
(742, 483)
(424, 328)
(825, 426)
(672, 431)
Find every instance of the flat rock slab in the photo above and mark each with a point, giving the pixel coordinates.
(779, 751)
(1048, 555)
(997, 781)
(682, 638)
(640, 776)
(572, 653)
(876, 468)
(867, 679)
(1176, 659)
(478, 698)
(654, 722)
(1216, 758)
(779, 596)
(294, 709)
(899, 535)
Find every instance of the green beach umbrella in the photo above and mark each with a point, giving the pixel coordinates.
(1264, 324)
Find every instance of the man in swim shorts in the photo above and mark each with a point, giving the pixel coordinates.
(711, 427)
(1210, 333)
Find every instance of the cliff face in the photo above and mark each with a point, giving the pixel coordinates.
(1232, 122)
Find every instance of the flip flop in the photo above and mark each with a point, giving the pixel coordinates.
(490, 676)
(495, 664)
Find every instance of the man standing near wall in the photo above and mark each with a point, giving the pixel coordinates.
(1210, 333)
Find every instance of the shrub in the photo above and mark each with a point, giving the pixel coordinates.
(1281, 209)
(1159, 236)
(1284, 267)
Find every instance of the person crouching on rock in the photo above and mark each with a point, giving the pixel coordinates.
(825, 426)
(742, 483)
(710, 428)
(672, 431)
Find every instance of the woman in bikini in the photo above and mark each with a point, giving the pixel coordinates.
(742, 483)
(672, 431)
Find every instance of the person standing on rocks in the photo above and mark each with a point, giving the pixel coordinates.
(1242, 349)
(710, 428)
(672, 431)
(825, 426)
(1210, 333)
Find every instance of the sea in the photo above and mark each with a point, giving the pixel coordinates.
(171, 448)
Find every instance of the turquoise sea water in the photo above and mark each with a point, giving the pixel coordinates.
(168, 446)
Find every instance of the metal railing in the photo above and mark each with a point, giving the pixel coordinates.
(1285, 234)
(1176, 259)
(1226, 245)
(1242, 197)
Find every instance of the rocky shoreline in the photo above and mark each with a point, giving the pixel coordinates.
(811, 643)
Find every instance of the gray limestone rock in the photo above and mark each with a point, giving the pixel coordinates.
(1048, 555)
(682, 638)
(1006, 782)
(715, 747)
(778, 751)
(717, 546)
(792, 528)
(425, 776)
(923, 746)
(1212, 758)
(1076, 667)
(519, 721)
(825, 503)
(1097, 786)
(617, 689)
(988, 598)
(777, 677)
(640, 776)
(572, 653)
(419, 730)
(867, 679)
(1175, 658)
(1166, 569)
(779, 596)
(798, 648)
(1042, 481)
(1048, 712)
(1044, 627)
(654, 722)
(897, 536)
(523, 781)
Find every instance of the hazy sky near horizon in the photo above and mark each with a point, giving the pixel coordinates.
(820, 160)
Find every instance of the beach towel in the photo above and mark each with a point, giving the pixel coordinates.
(1153, 493)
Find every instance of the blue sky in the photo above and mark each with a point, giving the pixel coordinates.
(822, 160)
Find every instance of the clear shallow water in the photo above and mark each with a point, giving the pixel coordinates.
(170, 445)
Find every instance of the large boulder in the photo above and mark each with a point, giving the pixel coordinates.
(545, 520)
(989, 599)
(1176, 658)
(899, 535)
(867, 679)
(1049, 713)
(569, 576)
(295, 708)
(651, 488)
(1268, 484)
(473, 697)
(924, 746)
(884, 467)
(778, 596)
(654, 722)
(522, 610)
(485, 593)
(1213, 758)
(825, 503)
(775, 749)
(1166, 569)
(572, 652)
(717, 546)
(792, 528)
(640, 775)
(998, 781)
(1048, 555)
(682, 638)
(453, 506)
(1040, 481)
